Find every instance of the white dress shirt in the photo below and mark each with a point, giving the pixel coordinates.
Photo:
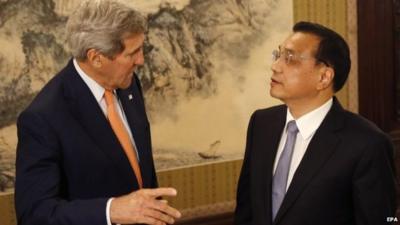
(307, 125)
(98, 92)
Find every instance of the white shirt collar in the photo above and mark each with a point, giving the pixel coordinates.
(96, 89)
(309, 123)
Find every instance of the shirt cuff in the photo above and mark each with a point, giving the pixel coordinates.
(108, 211)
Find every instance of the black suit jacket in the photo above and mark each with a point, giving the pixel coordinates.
(69, 161)
(346, 176)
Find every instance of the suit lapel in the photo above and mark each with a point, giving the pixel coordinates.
(133, 106)
(268, 136)
(320, 149)
(87, 111)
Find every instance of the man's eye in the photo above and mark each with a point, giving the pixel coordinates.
(289, 57)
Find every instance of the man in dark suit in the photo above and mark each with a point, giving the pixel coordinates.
(84, 151)
(311, 162)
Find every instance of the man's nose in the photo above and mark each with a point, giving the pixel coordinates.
(276, 65)
(140, 58)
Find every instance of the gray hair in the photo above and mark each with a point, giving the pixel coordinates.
(102, 25)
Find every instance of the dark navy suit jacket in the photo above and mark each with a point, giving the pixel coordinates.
(69, 161)
(346, 176)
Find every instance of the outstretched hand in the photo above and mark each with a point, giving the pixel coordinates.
(142, 206)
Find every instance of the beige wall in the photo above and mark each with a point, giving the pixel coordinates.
(340, 15)
(7, 213)
(206, 189)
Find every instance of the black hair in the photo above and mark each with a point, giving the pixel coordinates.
(332, 50)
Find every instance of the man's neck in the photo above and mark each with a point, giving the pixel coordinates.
(298, 108)
(91, 72)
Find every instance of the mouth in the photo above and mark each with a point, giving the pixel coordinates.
(134, 70)
(274, 81)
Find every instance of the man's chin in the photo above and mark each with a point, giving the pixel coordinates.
(275, 95)
(125, 85)
(272, 93)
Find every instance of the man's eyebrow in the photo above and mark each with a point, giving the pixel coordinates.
(287, 49)
(135, 50)
(280, 48)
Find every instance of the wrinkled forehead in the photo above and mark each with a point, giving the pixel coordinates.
(302, 43)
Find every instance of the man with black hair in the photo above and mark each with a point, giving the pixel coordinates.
(309, 161)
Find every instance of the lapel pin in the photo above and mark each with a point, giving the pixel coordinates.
(130, 97)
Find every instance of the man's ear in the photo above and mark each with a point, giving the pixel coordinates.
(94, 58)
(326, 78)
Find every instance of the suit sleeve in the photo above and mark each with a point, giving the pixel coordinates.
(374, 184)
(243, 211)
(40, 189)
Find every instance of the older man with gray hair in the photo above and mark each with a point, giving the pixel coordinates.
(84, 150)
